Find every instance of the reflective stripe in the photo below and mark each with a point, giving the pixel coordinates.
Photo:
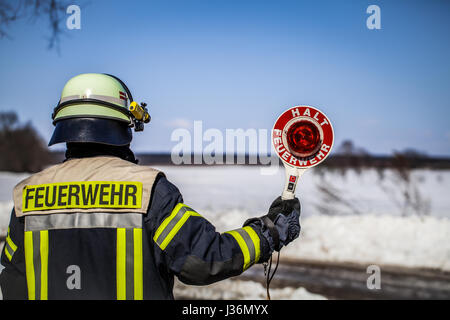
(243, 246)
(95, 96)
(29, 265)
(36, 264)
(44, 264)
(129, 264)
(166, 221)
(8, 255)
(138, 265)
(10, 247)
(172, 224)
(248, 241)
(121, 264)
(83, 220)
(68, 98)
(109, 99)
(256, 242)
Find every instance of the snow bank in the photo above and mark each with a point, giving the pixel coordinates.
(5, 214)
(384, 240)
(241, 290)
(7, 182)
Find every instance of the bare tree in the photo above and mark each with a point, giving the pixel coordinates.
(14, 10)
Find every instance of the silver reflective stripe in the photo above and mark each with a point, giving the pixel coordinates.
(249, 243)
(83, 220)
(68, 98)
(98, 97)
(109, 99)
(130, 264)
(9, 250)
(36, 249)
(172, 224)
(37, 263)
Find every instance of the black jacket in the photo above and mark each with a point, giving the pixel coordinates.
(84, 263)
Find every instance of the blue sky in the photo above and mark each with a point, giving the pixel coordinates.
(239, 64)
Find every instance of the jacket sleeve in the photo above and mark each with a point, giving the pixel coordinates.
(190, 246)
(13, 277)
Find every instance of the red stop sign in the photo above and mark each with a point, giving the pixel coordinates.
(302, 136)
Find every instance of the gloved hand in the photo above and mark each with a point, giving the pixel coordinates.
(281, 224)
(285, 214)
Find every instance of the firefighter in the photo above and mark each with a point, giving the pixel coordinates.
(99, 226)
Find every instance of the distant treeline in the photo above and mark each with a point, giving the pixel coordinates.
(21, 147)
(334, 161)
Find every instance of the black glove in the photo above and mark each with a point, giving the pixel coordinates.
(285, 207)
(281, 224)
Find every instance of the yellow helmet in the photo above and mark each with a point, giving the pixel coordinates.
(94, 107)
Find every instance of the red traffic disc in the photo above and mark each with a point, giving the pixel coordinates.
(302, 136)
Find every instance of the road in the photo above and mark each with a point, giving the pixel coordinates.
(349, 281)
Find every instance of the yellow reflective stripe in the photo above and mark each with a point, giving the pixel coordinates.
(249, 242)
(243, 246)
(138, 265)
(10, 246)
(44, 264)
(121, 264)
(177, 227)
(29, 265)
(129, 264)
(10, 242)
(172, 224)
(36, 261)
(167, 220)
(256, 242)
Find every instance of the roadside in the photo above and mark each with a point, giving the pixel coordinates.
(349, 280)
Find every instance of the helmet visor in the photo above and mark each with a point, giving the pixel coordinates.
(95, 130)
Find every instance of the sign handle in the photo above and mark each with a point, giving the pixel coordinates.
(292, 175)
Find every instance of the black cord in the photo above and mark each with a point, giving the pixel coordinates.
(276, 266)
(269, 277)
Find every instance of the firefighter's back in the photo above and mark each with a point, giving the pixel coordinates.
(83, 229)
